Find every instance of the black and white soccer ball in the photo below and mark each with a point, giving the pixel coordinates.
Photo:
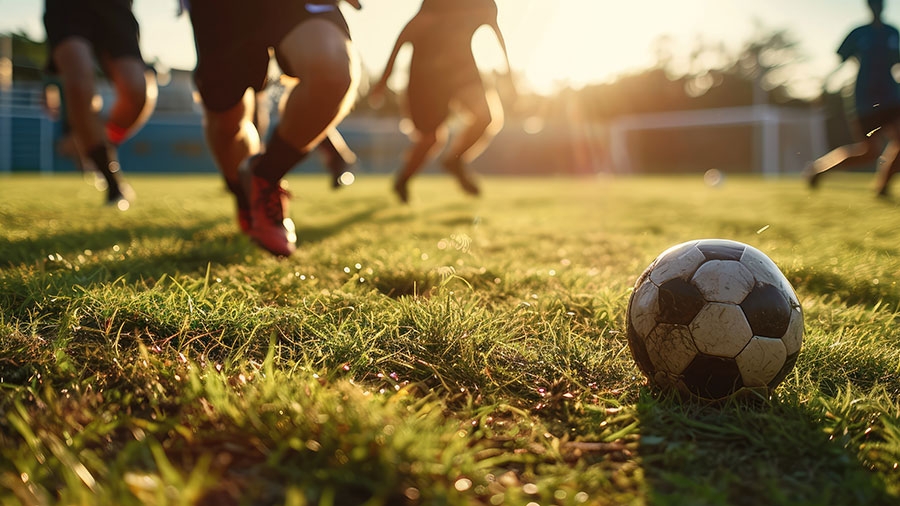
(713, 318)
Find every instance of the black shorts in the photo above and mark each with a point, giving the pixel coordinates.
(233, 38)
(877, 117)
(109, 25)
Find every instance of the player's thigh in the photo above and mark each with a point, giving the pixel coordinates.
(74, 59)
(229, 120)
(474, 99)
(129, 73)
(428, 108)
(317, 48)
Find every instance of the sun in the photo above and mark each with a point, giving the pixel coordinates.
(573, 42)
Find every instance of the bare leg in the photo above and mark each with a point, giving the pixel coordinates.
(320, 54)
(136, 95)
(338, 157)
(486, 121)
(334, 146)
(889, 163)
(75, 62)
(74, 59)
(334, 151)
(261, 114)
(231, 136)
(425, 144)
(842, 157)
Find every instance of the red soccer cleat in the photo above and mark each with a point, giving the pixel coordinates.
(269, 226)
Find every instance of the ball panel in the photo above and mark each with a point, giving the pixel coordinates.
(721, 249)
(670, 348)
(712, 377)
(767, 310)
(636, 339)
(761, 360)
(679, 302)
(723, 281)
(676, 262)
(639, 354)
(785, 370)
(721, 330)
(793, 337)
(765, 271)
(643, 308)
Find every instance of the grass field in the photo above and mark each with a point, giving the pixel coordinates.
(452, 352)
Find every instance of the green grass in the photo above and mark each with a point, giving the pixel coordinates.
(450, 352)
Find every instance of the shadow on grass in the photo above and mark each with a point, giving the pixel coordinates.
(193, 246)
(773, 453)
(844, 287)
(318, 233)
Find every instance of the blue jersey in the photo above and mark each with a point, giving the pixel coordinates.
(877, 48)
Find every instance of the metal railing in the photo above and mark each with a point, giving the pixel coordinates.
(26, 131)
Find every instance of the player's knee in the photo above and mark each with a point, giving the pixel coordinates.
(484, 121)
(865, 152)
(495, 125)
(427, 137)
(79, 91)
(137, 92)
(330, 85)
(226, 125)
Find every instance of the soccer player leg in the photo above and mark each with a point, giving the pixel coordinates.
(425, 142)
(232, 139)
(338, 158)
(888, 163)
(74, 60)
(136, 94)
(319, 53)
(484, 122)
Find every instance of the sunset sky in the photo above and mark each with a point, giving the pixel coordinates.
(550, 41)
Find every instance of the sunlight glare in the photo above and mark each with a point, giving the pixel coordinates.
(584, 41)
(579, 42)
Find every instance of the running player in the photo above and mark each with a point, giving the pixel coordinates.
(876, 46)
(79, 33)
(311, 42)
(443, 71)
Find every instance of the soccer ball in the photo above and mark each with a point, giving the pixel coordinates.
(713, 319)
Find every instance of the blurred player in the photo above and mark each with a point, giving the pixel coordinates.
(64, 141)
(443, 72)
(876, 46)
(311, 42)
(79, 33)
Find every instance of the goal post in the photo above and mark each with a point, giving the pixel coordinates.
(775, 146)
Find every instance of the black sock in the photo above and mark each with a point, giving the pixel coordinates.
(239, 192)
(278, 159)
(106, 163)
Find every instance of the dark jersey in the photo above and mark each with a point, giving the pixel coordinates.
(877, 48)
